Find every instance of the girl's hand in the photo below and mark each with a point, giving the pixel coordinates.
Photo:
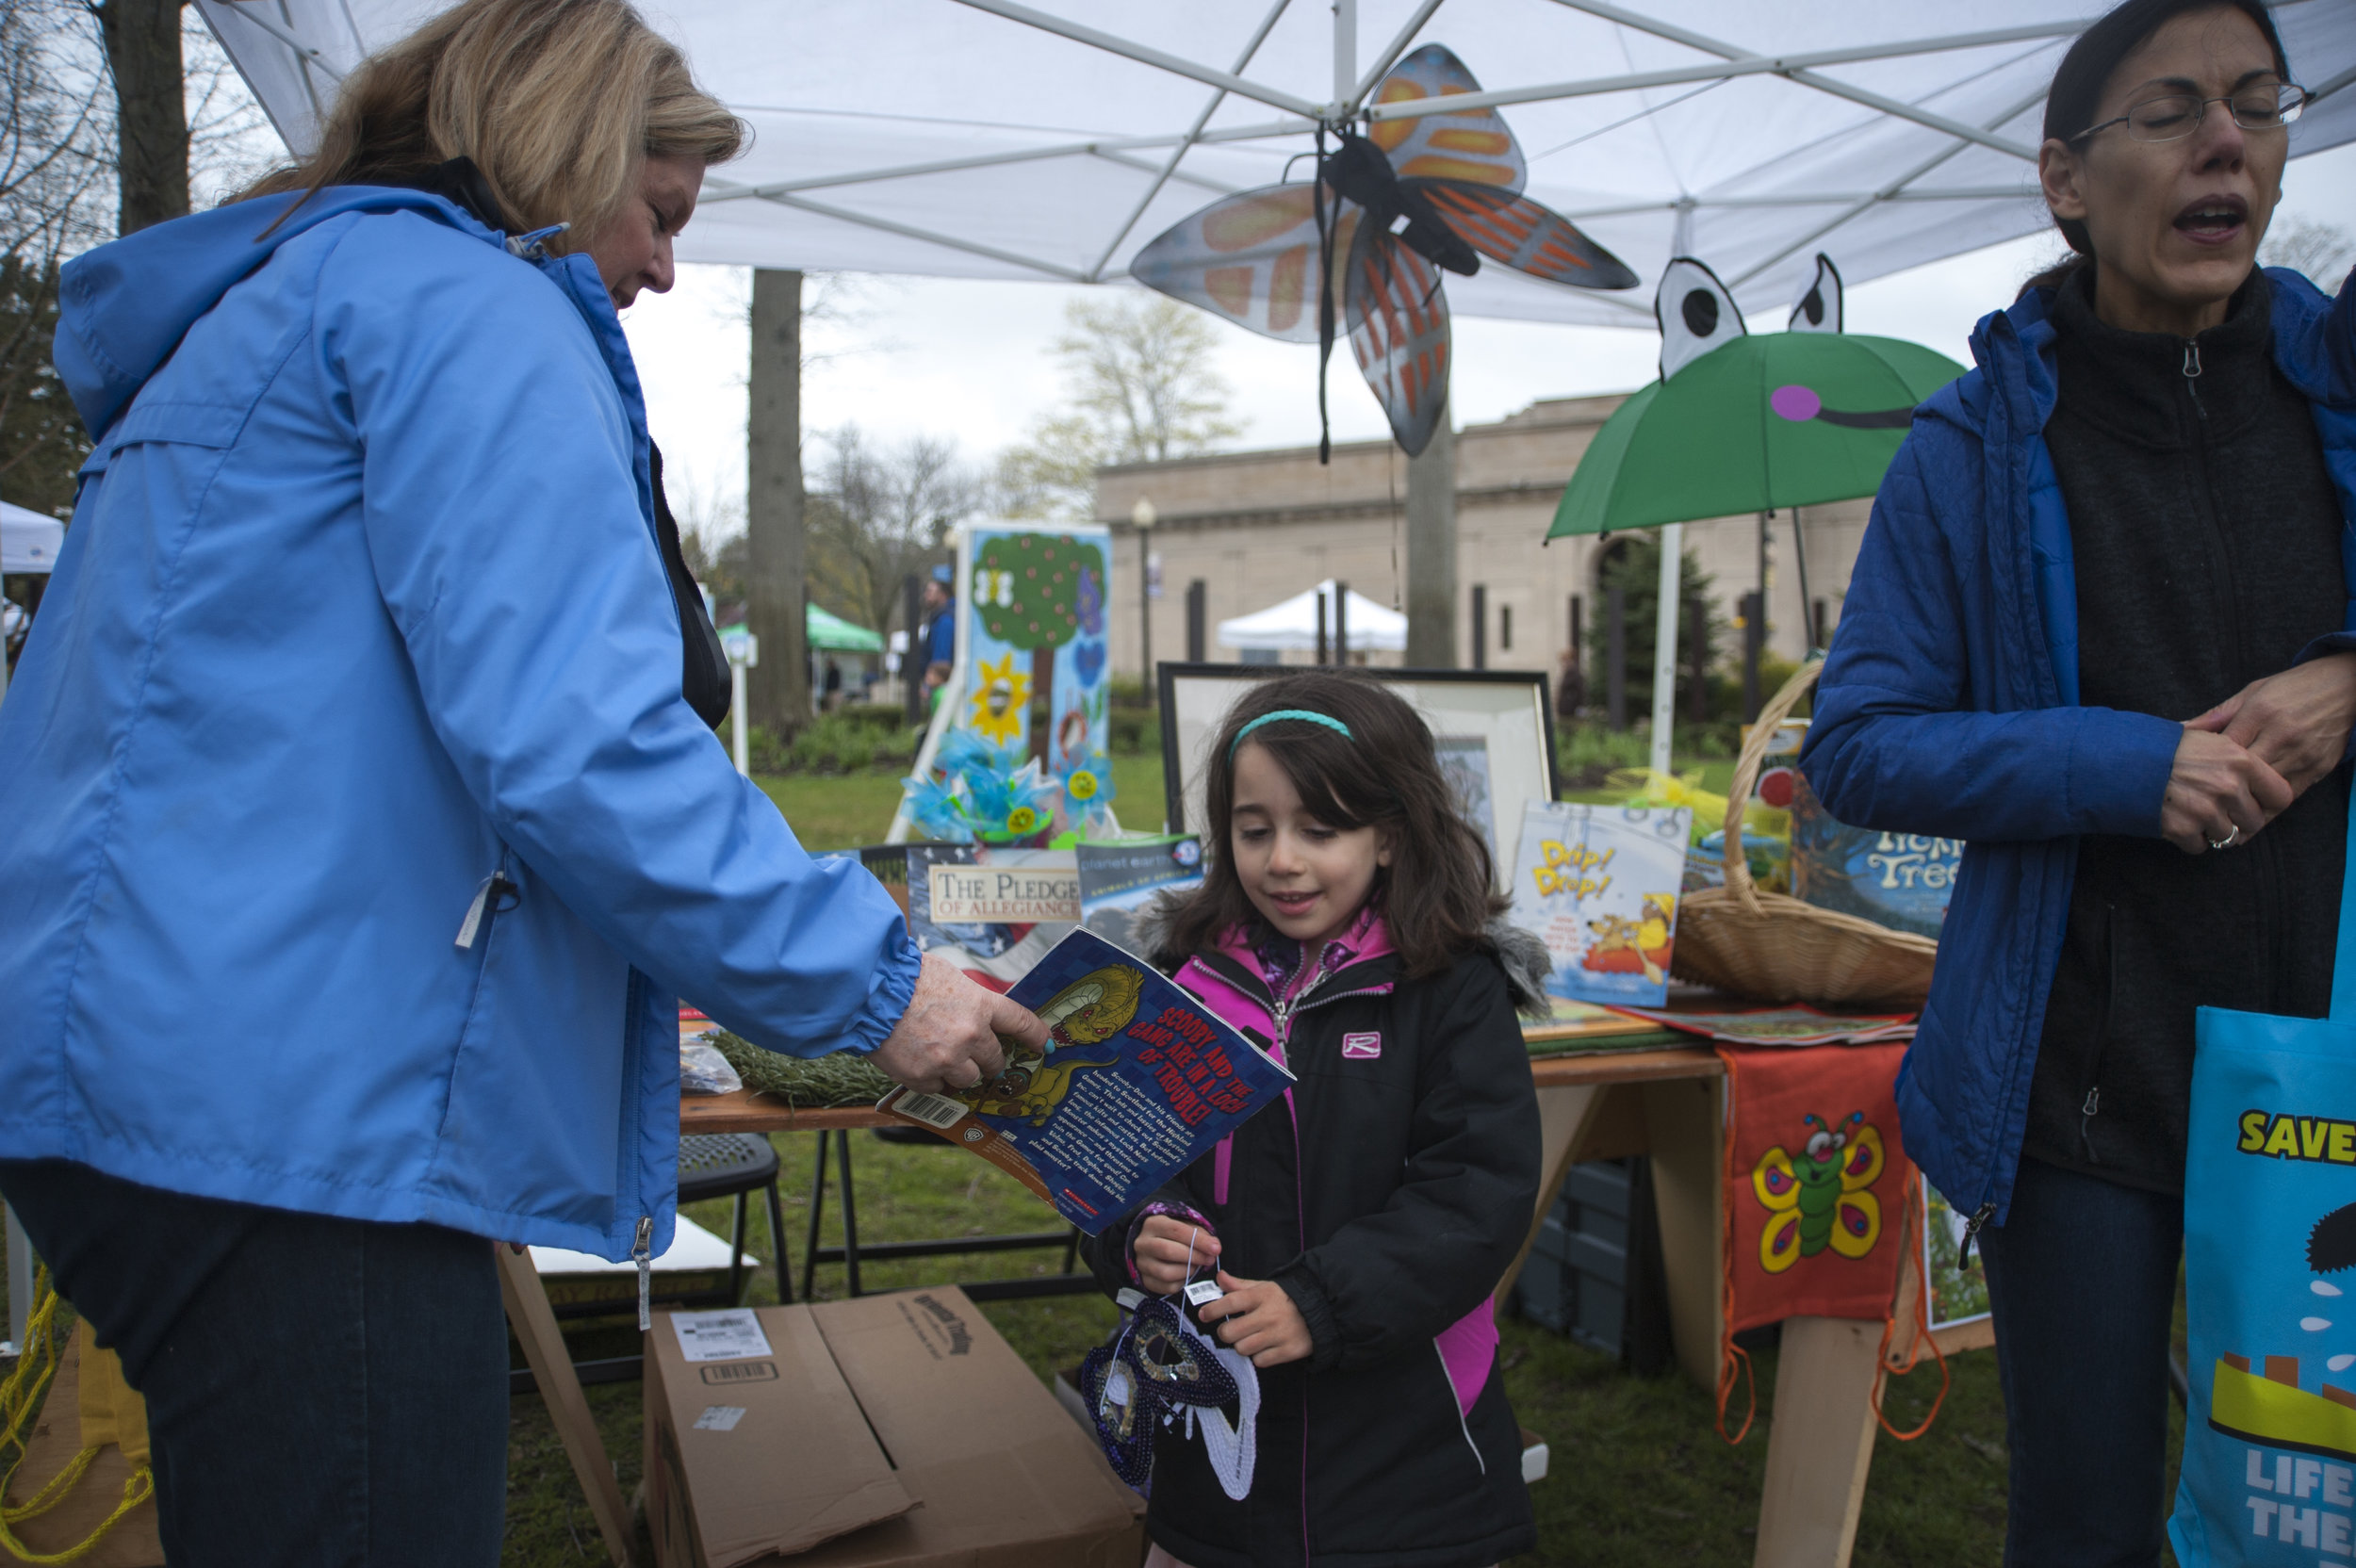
(2218, 790)
(1261, 1321)
(1161, 1254)
(2296, 722)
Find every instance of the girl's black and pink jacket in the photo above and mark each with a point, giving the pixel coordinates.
(1388, 1196)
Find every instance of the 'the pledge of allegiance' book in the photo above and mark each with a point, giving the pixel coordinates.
(1138, 1081)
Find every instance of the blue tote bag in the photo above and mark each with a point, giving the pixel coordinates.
(2269, 1469)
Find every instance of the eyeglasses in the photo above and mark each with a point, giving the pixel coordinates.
(2173, 119)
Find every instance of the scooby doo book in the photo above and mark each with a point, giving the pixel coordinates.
(1137, 1082)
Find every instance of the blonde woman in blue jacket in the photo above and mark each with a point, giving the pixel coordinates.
(356, 830)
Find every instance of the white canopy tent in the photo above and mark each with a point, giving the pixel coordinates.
(28, 540)
(1295, 625)
(989, 138)
(995, 139)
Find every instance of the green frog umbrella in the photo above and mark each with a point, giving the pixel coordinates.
(1743, 423)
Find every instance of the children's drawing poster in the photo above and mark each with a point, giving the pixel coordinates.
(1019, 751)
(1599, 884)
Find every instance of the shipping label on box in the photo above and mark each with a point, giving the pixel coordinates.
(1599, 884)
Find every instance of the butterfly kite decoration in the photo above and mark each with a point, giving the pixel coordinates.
(1388, 213)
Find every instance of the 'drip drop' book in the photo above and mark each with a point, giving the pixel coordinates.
(1139, 1082)
(1599, 884)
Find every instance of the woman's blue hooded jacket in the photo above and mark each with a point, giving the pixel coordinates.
(362, 607)
(1949, 705)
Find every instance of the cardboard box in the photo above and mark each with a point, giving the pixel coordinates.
(897, 1429)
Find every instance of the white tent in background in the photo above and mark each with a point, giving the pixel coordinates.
(1292, 626)
(28, 540)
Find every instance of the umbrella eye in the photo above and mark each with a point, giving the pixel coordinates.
(1700, 310)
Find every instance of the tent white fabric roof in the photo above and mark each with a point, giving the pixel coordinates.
(1292, 624)
(991, 139)
(28, 540)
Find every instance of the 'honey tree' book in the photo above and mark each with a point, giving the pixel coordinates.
(1137, 1082)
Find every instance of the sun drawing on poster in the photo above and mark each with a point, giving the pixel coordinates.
(998, 702)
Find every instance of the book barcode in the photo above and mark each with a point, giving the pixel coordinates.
(933, 1110)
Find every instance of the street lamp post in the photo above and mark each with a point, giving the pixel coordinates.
(1141, 516)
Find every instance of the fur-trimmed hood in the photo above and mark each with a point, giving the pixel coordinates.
(1522, 956)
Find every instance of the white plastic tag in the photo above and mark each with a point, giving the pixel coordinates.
(1201, 1293)
(1117, 1386)
(1130, 1299)
(719, 1418)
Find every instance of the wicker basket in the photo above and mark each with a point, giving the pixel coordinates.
(1775, 948)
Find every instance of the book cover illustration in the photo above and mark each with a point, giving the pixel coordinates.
(1119, 877)
(1901, 880)
(1796, 1025)
(991, 911)
(1599, 884)
(1137, 1082)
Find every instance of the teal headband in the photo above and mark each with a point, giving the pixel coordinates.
(1302, 713)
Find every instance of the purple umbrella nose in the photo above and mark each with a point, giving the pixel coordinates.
(1795, 403)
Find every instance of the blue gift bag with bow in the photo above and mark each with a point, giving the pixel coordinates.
(2269, 1468)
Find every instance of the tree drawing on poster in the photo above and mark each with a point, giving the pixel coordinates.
(1029, 732)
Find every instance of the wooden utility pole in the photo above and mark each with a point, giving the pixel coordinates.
(774, 543)
(1431, 552)
(143, 40)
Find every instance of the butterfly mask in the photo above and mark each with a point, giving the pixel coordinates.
(1388, 212)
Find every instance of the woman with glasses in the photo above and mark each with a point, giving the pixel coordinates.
(2100, 627)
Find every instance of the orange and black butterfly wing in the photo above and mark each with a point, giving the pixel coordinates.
(1524, 236)
(1472, 145)
(1398, 329)
(1250, 258)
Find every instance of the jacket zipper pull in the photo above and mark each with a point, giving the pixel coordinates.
(2192, 359)
(490, 899)
(642, 1253)
(1972, 1229)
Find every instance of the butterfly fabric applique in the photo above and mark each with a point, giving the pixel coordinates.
(1388, 213)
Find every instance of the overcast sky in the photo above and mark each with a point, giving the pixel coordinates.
(970, 360)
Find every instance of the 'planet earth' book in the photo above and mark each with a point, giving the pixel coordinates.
(1138, 1081)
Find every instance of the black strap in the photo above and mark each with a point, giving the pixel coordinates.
(703, 668)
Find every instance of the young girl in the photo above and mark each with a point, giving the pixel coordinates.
(1347, 923)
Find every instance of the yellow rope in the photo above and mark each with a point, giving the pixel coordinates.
(20, 1397)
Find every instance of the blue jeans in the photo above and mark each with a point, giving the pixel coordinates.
(2083, 1281)
(320, 1391)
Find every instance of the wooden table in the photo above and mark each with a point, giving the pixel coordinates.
(1668, 1104)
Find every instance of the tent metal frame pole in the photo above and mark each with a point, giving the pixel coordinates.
(1733, 62)
(1345, 57)
(2020, 106)
(1147, 54)
(1176, 176)
(1185, 144)
(908, 231)
(1795, 70)
(1389, 57)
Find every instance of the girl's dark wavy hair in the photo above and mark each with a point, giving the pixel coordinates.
(2076, 95)
(1436, 895)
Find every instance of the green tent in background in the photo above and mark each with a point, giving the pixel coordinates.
(833, 634)
(1788, 418)
(828, 633)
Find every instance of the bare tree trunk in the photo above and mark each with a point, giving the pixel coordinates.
(1431, 552)
(774, 548)
(152, 119)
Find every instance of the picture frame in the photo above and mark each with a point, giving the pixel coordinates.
(1509, 713)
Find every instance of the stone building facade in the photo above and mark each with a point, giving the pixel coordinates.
(1258, 526)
